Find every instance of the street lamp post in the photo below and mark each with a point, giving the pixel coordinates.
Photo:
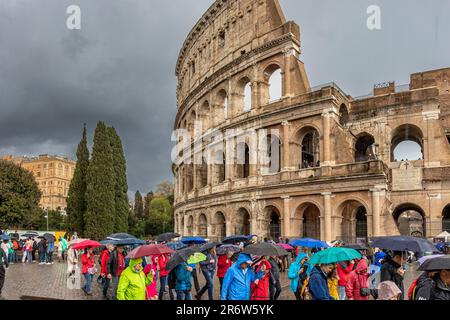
(46, 216)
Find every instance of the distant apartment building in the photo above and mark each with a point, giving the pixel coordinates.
(53, 175)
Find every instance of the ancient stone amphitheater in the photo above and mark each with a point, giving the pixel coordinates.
(333, 172)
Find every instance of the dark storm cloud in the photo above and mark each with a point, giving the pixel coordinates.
(120, 66)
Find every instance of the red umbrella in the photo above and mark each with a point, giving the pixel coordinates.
(285, 246)
(149, 250)
(85, 244)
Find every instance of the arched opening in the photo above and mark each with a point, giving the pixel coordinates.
(242, 226)
(202, 174)
(310, 150)
(274, 153)
(343, 115)
(275, 223)
(220, 226)
(308, 214)
(204, 115)
(246, 94)
(189, 177)
(190, 226)
(410, 220)
(275, 83)
(353, 227)
(407, 144)
(243, 161)
(365, 148)
(220, 167)
(191, 125)
(446, 219)
(222, 107)
(203, 226)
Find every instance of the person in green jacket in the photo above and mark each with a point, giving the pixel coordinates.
(133, 282)
(63, 247)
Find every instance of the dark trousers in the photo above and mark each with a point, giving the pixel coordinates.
(50, 256)
(2, 278)
(105, 286)
(209, 285)
(195, 278)
(275, 289)
(162, 287)
(220, 281)
(297, 295)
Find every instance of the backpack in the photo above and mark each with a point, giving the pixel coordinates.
(412, 290)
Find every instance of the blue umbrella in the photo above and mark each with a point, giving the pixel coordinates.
(5, 237)
(234, 239)
(193, 240)
(404, 243)
(308, 243)
(124, 242)
(176, 245)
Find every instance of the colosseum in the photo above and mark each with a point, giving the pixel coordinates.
(338, 176)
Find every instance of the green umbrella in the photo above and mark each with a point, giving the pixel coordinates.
(334, 255)
(196, 258)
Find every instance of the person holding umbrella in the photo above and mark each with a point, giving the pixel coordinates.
(115, 267)
(88, 269)
(441, 278)
(42, 249)
(183, 284)
(208, 268)
(295, 273)
(393, 270)
(318, 282)
(223, 264)
(260, 288)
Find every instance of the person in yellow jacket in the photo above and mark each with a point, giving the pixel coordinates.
(133, 282)
(333, 280)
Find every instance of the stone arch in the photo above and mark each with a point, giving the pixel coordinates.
(190, 226)
(273, 216)
(404, 134)
(244, 93)
(273, 76)
(222, 111)
(242, 222)
(410, 219)
(344, 116)
(204, 116)
(305, 147)
(220, 226)
(353, 225)
(446, 218)
(243, 160)
(308, 216)
(202, 225)
(274, 153)
(364, 150)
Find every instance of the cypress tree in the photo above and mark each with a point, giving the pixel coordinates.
(121, 185)
(100, 195)
(76, 197)
(147, 203)
(138, 205)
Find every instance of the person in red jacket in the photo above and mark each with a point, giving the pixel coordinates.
(88, 269)
(344, 269)
(260, 288)
(223, 264)
(357, 286)
(163, 273)
(104, 258)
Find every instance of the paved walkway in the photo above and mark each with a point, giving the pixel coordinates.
(50, 282)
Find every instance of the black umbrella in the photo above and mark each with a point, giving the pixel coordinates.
(49, 237)
(14, 236)
(30, 235)
(265, 249)
(356, 247)
(440, 263)
(404, 243)
(179, 257)
(223, 250)
(167, 236)
(234, 239)
(120, 236)
(208, 246)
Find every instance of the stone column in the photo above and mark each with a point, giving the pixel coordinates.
(286, 146)
(327, 216)
(286, 217)
(376, 212)
(286, 74)
(230, 161)
(431, 119)
(327, 115)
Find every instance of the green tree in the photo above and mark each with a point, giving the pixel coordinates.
(19, 196)
(121, 186)
(138, 205)
(76, 198)
(100, 191)
(147, 201)
(165, 189)
(160, 219)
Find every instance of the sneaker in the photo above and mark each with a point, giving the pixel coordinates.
(48, 263)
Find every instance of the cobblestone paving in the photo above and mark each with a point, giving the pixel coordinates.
(49, 282)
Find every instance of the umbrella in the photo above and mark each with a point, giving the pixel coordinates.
(30, 235)
(196, 258)
(234, 239)
(179, 257)
(4, 237)
(223, 250)
(129, 242)
(14, 236)
(49, 237)
(86, 244)
(265, 249)
(193, 240)
(149, 250)
(209, 246)
(356, 247)
(176, 245)
(120, 236)
(308, 243)
(286, 246)
(422, 260)
(334, 255)
(439, 263)
(403, 243)
(167, 236)
(75, 241)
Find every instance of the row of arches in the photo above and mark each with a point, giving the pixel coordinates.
(351, 225)
(214, 112)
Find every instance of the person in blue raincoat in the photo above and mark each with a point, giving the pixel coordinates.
(294, 273)
(237, 281)
(183, 284)
(318, 282)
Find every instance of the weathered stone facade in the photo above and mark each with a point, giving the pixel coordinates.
(337, 176)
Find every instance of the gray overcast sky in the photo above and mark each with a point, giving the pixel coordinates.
(120, 66)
